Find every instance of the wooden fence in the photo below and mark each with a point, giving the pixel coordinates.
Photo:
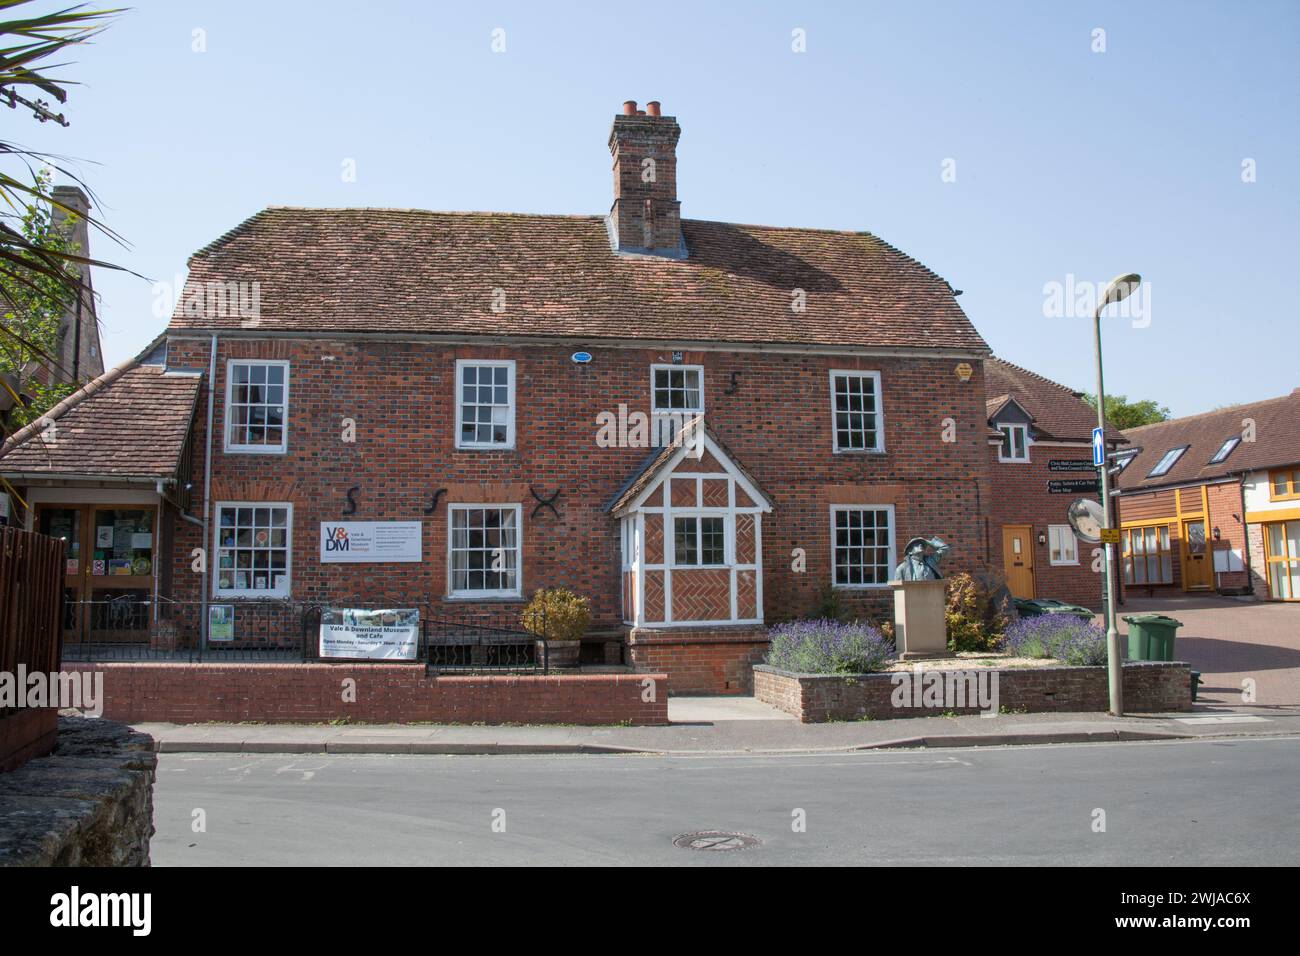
(31, 602)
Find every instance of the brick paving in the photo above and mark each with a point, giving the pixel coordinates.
(1231, 640)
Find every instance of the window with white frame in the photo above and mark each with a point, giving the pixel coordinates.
(699, 541)
(485, 404)
(257, 406)
(677, 388)
(856, 411)
(254, 549)
(1015, 442)
(862, 545)
(484, 550)
(1062, 547)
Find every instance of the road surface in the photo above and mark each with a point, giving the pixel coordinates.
(1222, 803)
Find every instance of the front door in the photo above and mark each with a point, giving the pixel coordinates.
(108, 569)
(1018, 558)
(1198, 567)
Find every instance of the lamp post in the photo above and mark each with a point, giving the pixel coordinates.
(1118, 289)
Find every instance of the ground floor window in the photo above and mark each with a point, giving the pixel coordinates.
(700, 541)
(1147, 559)
(862, 545)
(484, 550)
(1283, 539)
(254, 541)
(1062, 548)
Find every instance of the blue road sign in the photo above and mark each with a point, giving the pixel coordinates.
(1098, 447)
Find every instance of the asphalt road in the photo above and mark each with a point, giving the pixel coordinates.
(1229, 803)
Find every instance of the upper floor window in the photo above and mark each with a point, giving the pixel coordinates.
(485, 404)
(856, 412)
(1285, 485)
(1226, 449)
(677, 388)
(254, 549)
(257, 406)
(1015, 442)
(1167, 461)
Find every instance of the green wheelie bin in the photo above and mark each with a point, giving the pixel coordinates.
(1151, 637)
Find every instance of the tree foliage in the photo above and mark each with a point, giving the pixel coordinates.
(1122, 414)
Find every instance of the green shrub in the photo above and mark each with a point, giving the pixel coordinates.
(975, 620)
(557, 614)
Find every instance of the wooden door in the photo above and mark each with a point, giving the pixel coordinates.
(1198, 566)
(71, 524)
(1018, 558)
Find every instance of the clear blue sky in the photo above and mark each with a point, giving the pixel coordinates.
(1068, 161)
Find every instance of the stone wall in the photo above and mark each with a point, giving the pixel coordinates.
(90, 803)
(1149, 687)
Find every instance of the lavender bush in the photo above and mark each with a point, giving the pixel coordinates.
(826, 646)
(1061, 636)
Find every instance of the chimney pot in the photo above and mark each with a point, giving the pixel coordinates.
(653, 107)
(629, 107)
(640, 112)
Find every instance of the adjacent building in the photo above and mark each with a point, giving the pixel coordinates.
(1040, 460)
(1212, 502)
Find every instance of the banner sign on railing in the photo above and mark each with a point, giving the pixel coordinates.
(361, 634)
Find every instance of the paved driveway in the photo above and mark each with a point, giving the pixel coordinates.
(1229, 641)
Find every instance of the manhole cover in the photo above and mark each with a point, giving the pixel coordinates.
(715, 840)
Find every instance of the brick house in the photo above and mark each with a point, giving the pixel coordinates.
(497, 382)
(1040, 460)
(1211, 502)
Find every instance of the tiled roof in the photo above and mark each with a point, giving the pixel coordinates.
(413, 271)
(1059, 412)
(1276, 432)
(132, 421)
(652, 469)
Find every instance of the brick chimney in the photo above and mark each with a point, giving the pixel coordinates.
(78, 347)
(646, 216)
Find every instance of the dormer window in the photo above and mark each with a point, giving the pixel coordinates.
(1226, 449)
(1167, 461)
(1015, 442)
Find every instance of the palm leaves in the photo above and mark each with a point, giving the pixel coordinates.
(26, 44)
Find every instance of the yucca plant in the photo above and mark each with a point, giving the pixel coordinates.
(26, 82)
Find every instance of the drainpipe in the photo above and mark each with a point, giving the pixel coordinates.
(1245, 536)
(207, 494)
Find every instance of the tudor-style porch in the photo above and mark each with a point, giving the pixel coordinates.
(692, 538)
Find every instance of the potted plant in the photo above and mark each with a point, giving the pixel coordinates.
(560, 618)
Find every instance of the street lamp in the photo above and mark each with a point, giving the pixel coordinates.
(1118, 289)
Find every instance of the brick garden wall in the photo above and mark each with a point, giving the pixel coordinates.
(700, 661)
(1149, 687)
(385, 693)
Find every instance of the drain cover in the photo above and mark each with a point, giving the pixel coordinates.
(715, 840)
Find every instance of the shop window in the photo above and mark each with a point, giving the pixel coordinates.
(254, 542)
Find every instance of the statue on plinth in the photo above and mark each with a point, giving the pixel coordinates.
(921, 559)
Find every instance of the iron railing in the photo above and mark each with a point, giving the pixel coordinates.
(475, 639)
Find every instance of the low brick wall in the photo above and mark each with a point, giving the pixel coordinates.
(88, 804)
(384, 693)
(1149, 687)
(712, 660)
